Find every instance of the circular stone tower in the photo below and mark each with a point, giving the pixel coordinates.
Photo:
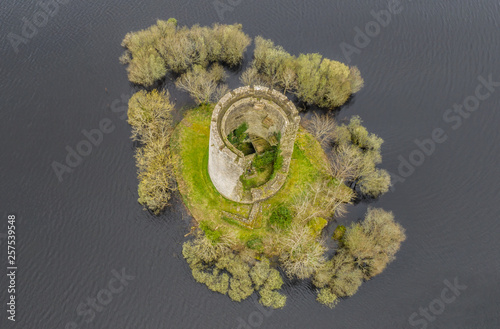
(268, 119)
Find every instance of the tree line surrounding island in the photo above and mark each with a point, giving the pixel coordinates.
(165, 48)
(239, 261)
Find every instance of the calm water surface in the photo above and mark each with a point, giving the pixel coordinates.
(73, 234)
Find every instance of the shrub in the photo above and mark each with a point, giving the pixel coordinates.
(327, 297)
(374, 242)
(202, 251)
(267, 281)
(213, 279)
(146, 67)
(211, 234)
(149, 114)
(357, 81)
(156, 180)
(172, 21)
(281, 217)
(327, 198)
(376, 183)
(260, 272)
(360, 136)
(164, 47)
(346, 279)
(317, 224)
(232, 42)
(254, 243)
(338, 277)
(240, 284)
(199, 254)
(222, 271)
(178, 51)
(202, 85)
(322, 127)
(278, 162)
(271, 298)
(250, 77)
(366, 250)
(314, 79)
(301, 254)
(238, 135)
(262, 161)
(220, 92)
(271, 62)
(210, 264)
(338, 234)
(386, 233)
(146, 64)
(345, 163)
(321, 81)
(357, 154)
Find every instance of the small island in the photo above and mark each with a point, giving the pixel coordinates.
(260, 182)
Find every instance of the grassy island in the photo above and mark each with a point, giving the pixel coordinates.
(190, 153)
(237, 248)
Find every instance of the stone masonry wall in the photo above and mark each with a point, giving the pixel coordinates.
(226, 163)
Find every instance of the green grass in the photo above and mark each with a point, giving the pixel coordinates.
(281, 217)
(264, 169)
(236, 223)
(307, 165)
(212, 235)
(259, 178)
(239, 138)
(254, 242)
(190, 150)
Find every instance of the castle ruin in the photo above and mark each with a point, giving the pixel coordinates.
(270, 120)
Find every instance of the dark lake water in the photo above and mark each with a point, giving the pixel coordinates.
(73, 234)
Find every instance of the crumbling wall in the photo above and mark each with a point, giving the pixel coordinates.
(266, 111)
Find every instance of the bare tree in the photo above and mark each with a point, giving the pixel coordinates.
(357, 81)
(288, 79)
(220, 92)
(324, 200)
(345, 163)
(250, 77)
(374, 242)
(322, 127)
(302, 254)
(376, 183)
(201, 84)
